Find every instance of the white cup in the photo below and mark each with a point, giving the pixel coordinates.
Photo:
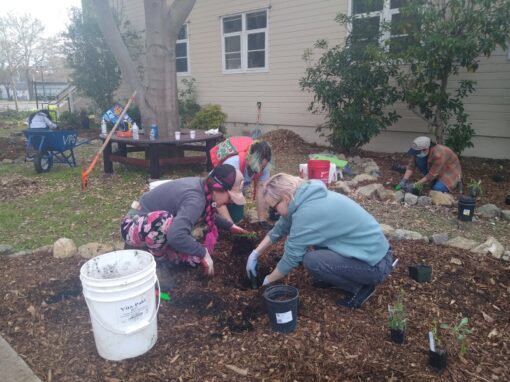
(192, 134)
(177, 135)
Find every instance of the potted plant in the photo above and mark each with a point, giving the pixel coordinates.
(421, 273)
(438, 356)
(397, 319)
(243, 244)
(475, 188)
(418, 189)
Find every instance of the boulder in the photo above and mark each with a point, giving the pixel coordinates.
(369, 191)
(341, 187)
(439, 238)
(45, 250)
(384, 194)
(410, 199)
(442, 198)
(491, 246)
(506, 256)
(5, 249)
(505, 215)
(64, 248)
(455, 261)
(424, 201)
(398, 196)
(489, 211)
(404, 234)
(90, 250)
(360, 178)
(461, 242)
(388, 230)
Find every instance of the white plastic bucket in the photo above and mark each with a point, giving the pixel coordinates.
(119, 288)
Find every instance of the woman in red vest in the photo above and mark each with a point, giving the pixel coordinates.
(253, 159)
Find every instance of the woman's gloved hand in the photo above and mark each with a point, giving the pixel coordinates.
(409, 187)
(251, 264)
(208, 265)
(235, 229)
(403, 183)
(266, 281)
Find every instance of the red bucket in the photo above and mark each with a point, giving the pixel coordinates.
(319, 169)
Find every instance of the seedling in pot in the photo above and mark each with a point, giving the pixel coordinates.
(421, 273)
(507, 199)
(475, 188)
(397, 319)
(438, 357)
(418, 189)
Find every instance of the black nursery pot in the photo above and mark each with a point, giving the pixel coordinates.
(421, 273)
(397, 336)
(498, 178)
(507, 199)
(438, 360)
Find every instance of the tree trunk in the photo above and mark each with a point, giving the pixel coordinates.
(30, 86)
(158, 101)
(440, 122)
(14, 92)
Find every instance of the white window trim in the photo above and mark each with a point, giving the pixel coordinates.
(385, 16)
(186, 40)
(244, 43)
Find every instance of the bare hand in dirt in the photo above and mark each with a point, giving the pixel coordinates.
(235, 229)
(208, 265)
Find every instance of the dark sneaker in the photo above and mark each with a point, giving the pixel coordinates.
(356, 300)
(166, 281)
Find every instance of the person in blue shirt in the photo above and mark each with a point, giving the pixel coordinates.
(350, 251)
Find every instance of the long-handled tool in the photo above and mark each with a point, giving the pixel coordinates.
(85, 174)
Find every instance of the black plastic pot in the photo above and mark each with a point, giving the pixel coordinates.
(282, 307)
(397, 336)
(498, 178)
(466, 208)
(421, 273)
(438, 360)
(507, 199)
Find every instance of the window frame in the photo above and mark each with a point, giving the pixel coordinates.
(180, 41)
(244, 33)
(385, 16)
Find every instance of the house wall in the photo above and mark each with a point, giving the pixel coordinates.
(293, 26)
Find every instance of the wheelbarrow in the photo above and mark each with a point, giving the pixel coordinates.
(51, 146)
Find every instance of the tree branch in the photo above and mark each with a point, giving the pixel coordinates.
(178, 13)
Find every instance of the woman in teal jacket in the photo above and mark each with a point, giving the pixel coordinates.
(350, 251)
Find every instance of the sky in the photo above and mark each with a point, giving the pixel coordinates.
(54, 14)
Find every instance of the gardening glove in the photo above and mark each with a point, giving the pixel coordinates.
(409, 187)
(251, 264)
(208, 265)
(235, 229)
(266, 281)
(403, 183)
(266, 226)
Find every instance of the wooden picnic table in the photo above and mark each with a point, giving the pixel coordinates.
(161, 151)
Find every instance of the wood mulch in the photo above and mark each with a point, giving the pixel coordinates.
(218, 330)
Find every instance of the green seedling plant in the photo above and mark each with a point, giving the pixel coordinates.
(249, 235)
(397, 314)
(475, 188)
(418, 188)
(460, 333)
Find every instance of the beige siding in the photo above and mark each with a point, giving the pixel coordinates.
(293, 26)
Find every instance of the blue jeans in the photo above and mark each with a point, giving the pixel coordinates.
(346, 273)
(437, 185)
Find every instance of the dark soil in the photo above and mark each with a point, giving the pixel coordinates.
(218, 330)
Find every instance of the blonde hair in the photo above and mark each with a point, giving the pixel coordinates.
(281, 185)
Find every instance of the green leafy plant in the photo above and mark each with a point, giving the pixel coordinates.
(209, 117)
(187, 100)
(418, 188)
(475, 188)
(69, 120)
(249, 235)
(397, 314)
(460, 332)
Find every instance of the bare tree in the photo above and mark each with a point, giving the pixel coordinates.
(157, 95)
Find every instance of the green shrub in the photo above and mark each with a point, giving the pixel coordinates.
(187, 100)
(69, 120)
(210, 117)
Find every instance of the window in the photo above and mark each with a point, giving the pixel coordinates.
(245, 42)
(181, 51)
(371, 14)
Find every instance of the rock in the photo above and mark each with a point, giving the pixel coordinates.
(491, 246)
(45, 250)
(21, 253)
(5, 249)
(442, 198)
(410, 199)
(64, 248)
(388, 230)
(7, 161)
(506, 256)
(370, 168)
(489, 211)
(461, 242)
(90, 250)
(360, 178)
(440, 238)
(356, 160)
(455, 261)
(341, 187)
(403, 234)
(369, 191)
(505, 215)
(384, 194)
(398, 196)
(424, 201)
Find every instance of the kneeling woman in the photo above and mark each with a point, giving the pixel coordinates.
(350, 251)
(163, 219)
